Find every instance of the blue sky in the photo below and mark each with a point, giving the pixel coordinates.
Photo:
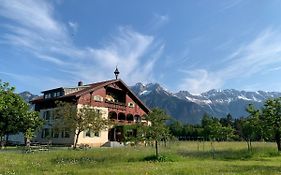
(194, 45)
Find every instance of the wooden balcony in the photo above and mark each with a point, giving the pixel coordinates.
(122, 122)
(115, 105)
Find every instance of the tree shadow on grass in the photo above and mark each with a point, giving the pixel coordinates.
(162, 158)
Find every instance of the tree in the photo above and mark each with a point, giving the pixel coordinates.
(249, 128)
(134, 133)
(12, 111)
(271, 120)
(79, 119)
(176, 128)
(30, 122)
(156, 130)
(227, 121)
(213, 129)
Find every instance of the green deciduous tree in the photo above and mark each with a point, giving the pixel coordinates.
(157, 129)
(176, 128)
(213, 129)
(250, 128)
(12, 111)
(271, 120)
(79, 119)
(15, 115)
(134, 133)
(227, 121)
(30, 122)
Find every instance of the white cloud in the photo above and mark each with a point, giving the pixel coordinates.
(200, 80)
(261, 54)
(34, 29)
(128, 50)
(32, 14)
(73, 26)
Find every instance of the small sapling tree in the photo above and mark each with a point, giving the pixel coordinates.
(157, 129)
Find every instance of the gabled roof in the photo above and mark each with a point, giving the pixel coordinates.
(95, 86)
(92, 87)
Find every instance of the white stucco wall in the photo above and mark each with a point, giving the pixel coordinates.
(103, 135)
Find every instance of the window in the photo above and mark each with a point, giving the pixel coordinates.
(47, 115)
(56, 133)
(65, 133)
(97, 134)
(130, 133)
(98, 98)
(137, 119)
(131, 104)
(57, 94)
(48, 95)
(45, 133)
(90, 133)
(62, 134)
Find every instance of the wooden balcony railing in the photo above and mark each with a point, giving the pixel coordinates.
(115, 105)
(127, 122)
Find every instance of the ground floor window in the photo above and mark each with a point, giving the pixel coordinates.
(90, 133)
(56, 133)
(45, 133)
(65, 133)
(97, 134)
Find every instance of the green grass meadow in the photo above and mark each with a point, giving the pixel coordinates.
(176, 158)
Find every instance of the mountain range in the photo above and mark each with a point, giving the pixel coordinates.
(189, 108)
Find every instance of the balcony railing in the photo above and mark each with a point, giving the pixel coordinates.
(115, 121)
(115, 105)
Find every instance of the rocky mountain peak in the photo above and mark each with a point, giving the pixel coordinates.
(217, 102)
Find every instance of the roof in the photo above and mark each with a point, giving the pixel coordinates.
(52, 89)
(91, 88)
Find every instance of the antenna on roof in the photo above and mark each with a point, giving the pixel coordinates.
(116, 72)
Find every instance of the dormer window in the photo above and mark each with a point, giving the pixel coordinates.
(48, 95)
(57, 94)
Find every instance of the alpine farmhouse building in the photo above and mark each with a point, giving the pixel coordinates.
(112, 99)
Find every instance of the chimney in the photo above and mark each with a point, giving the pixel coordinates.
(80, 83)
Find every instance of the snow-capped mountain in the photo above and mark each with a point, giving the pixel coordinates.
(189, 108)
(153, 95)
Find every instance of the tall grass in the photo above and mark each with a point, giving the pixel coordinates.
(177, 158)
